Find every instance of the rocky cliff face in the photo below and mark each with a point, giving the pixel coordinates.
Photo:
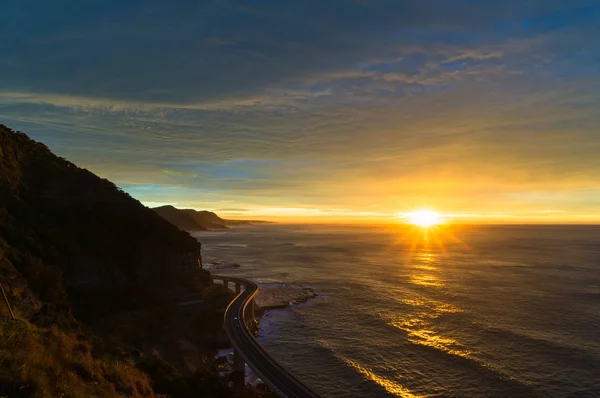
(71, 237)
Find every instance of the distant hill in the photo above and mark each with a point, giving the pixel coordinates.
(194, 220)
(181, 219)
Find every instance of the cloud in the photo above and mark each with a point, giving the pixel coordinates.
(292, 103)
(156, 52)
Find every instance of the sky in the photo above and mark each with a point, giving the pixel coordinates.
(347, 110)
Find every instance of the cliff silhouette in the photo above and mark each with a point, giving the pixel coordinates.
(94, 278)
(63, 223)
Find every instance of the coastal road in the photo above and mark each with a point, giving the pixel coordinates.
(280, 380)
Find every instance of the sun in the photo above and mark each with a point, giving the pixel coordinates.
(424, 218)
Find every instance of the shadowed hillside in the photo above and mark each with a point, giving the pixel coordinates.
(59, 222)
(94, 278)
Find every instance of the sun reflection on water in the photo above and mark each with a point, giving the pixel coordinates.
(425, 261)
(420, 331)
(428, 337)
(424, 266)
(419, 325)
(426, 280)
(389, 385)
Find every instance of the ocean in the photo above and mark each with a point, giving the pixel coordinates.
(457, 311)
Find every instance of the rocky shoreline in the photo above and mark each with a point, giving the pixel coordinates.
(281, 295)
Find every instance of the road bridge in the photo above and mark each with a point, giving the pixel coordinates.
(239, 313)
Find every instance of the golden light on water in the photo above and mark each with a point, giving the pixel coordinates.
(425, 268)
(390, 386)
(424, 244)
(424, 218)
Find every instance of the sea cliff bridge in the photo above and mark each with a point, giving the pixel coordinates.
(247, 350)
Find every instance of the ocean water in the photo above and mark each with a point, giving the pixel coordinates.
(486, 311)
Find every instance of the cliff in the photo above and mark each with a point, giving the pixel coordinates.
(76, 251)
(95, 280)
(194, 220)
(73, 235)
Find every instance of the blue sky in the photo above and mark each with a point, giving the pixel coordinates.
(337, 109)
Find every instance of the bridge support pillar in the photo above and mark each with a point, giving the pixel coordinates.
(226, 283)
(237, 287)
(239, 371)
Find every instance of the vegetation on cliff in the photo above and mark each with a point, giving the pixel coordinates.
(54, 362)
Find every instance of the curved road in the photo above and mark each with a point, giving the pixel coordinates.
(280, 380)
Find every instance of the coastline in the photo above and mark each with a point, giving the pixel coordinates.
(275, 296)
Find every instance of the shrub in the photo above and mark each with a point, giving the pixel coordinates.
(48, 362)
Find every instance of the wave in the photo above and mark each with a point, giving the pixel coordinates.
(504, 358)
(219, 264)
(555, 351)
(389, 385)
(432, 349)
(439, 373)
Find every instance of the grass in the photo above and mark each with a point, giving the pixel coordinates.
(49, 362)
